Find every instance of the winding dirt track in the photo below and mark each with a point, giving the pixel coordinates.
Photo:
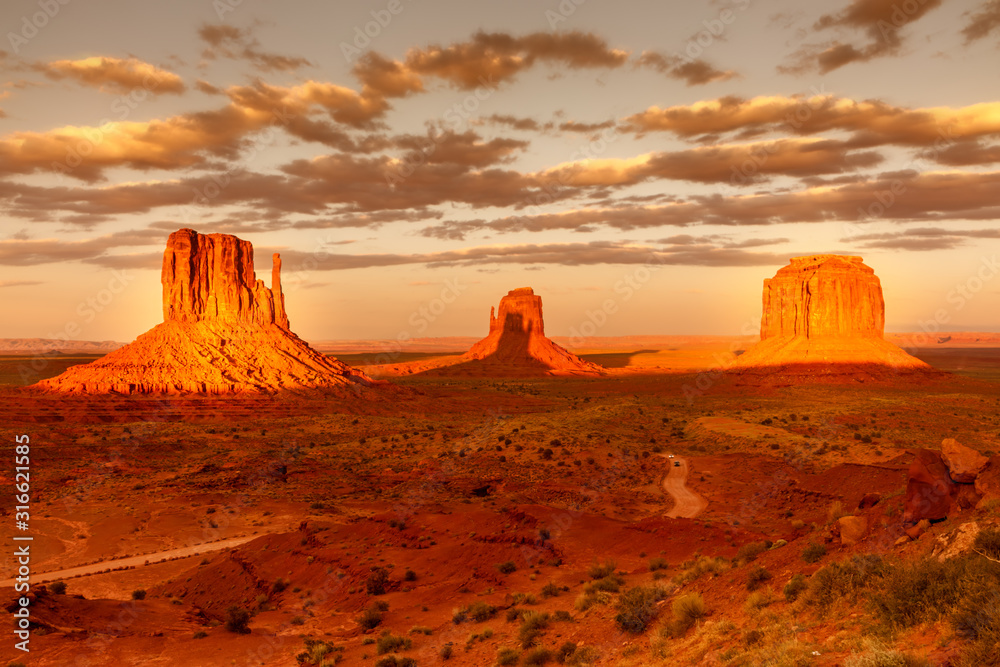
(687, 503)
(133, 561)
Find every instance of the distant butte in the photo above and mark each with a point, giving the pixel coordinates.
(823, 315)
(516, 340)
(223, 331)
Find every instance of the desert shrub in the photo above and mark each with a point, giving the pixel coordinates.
(987, 543)
(917, 591)
(878, 655)
(389, 643)
(688, 609)
(583, 655)
(395, 661)
(778, 544)
(813, 552)
(601, 571)
(531, 627)
(139, 594)
(370, 618)
(446, 651)
(58, 587)
(200, 634)
(409, 575)
(637, 608)
(538, 656)
(749, 552)
(508, 656)
(550, 590)
(700, 566)
(658, 563)
(587, 600)
(794, 587)
(377, 581)
(524, 598)
(835, 511)
(320, 653)
(758, 600)
(479, 611)
(238, 620)
(507, 567)
(845, 578)
(566, 651)
(610, 584)
(756, 577)
(420, 630)
(513, 614)
(279, 585)
(562, 615)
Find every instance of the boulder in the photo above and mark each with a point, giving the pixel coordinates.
(967, 496)
(223, 331)
(869, 500)
(929, 488)
(964, 463)
(852, 529)
(988, 479)
(823, 316)
(516, 339)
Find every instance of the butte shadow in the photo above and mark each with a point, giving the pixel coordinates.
(824, 321)
(516, 345)
(223, 332)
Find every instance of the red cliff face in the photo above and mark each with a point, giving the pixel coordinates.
(823, 295)
(211, 277)
(824, 314)
(223, 331)
(517, 339)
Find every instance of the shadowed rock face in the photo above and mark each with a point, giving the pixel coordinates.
(223, 331)
(824, 315)
(517, 338)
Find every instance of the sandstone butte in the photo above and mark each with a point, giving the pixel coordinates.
(516, 339)
(223, 331)
(824, 315)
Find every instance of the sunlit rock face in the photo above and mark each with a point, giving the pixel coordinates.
(823, 295)
(517, 338)
(223, 331)
(824, 315)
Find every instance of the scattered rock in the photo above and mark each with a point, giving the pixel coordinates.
(902, 540)
(967, 496)
(914, 532)
(929, 488)
(852, 529)
(964, 463)
(956, 542)
(869, 500)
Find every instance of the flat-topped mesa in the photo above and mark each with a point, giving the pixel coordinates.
(517, 341)
(211, 277)
(823, 295)
(824, 316)
(223, 331)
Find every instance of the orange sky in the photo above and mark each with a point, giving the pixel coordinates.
(660, 157)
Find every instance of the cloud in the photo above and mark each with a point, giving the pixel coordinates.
(465, 149)
(879, 20)
(566, 254)
(964, 154)
(489, 58)
(513, 122)
(28, 252)
(872, 122)
(695, 72)
(19, 283)
(114, 74)
(984, 21)
(737, 164)
(911, 196)
(922, 239)
(226, 41)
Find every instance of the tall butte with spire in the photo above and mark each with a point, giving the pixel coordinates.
(223, 331)
(516, 340)
(824, 315)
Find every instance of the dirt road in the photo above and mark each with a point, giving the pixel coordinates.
(687, 503)
(96, 568)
